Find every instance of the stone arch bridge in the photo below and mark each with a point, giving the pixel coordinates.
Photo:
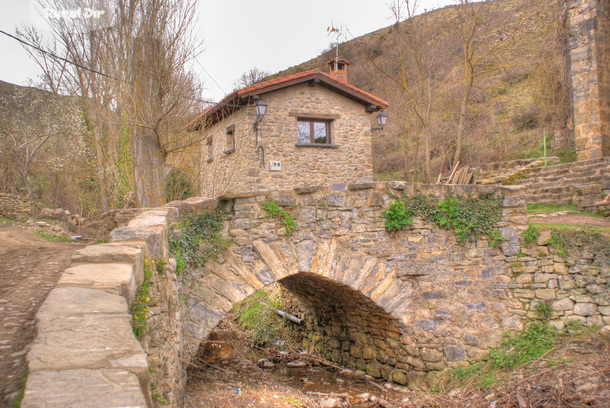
(400, 306)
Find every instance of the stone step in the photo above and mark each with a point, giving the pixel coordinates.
(569, 176)
(571, 167)
(566, 182)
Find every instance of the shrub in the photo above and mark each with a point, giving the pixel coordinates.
(286, 219)
(530, 235)
(397, 216)
(519, 348)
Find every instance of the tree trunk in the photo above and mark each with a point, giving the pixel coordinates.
(149, 170)
(149, 157)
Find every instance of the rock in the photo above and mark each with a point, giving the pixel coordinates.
(455, 353)
(544, 237)
(265, 363)
(400, 377)
(431, 355)
(296, 364)
(172, 265)
(331, 403)
(605, 332)
(512, 323)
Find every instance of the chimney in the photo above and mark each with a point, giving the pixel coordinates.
(338, 69)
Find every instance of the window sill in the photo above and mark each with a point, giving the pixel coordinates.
(210, 160)
(323, 145)
(229, 151)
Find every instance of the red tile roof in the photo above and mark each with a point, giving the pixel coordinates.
(236, 99)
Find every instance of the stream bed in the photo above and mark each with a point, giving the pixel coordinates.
(256, 379)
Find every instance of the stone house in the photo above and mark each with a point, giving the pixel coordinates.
(316, 130)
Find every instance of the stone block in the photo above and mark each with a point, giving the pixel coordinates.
(431, 355)
(114, 278)
(113, 253)
(83, 388)
(336, 200)
(563, 304)
(88, 342)
(545, 294)
(65, 303)
(512, 323)
(455, 353)
(155, 238)
(585, 309)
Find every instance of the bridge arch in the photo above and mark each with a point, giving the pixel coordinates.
(437, 302)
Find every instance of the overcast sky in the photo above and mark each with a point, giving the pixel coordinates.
(238, 35)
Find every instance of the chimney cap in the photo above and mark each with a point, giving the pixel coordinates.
(339, 59)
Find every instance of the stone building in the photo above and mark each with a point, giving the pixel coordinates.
(316, 130)
(590, 68)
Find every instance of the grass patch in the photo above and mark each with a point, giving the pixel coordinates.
(4, 219)
(17, 402)
(263, 327)
(536, 208)
(52, 237)
(570, 228)
(541, 208)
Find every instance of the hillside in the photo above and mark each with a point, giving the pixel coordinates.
(520, 90)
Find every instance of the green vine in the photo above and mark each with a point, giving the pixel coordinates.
(495, 239)
(286, 219)
(468, 217)
(195, 239)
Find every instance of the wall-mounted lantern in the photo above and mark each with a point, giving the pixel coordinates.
(260, 108)
(382, 118)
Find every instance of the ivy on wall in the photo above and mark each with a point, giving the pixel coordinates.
(468, 217)
(195, 239)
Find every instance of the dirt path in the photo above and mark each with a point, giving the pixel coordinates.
(29, 269)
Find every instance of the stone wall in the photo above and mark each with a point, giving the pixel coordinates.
(16, 207)
(347, 159)
(590, 67)
(345, 328)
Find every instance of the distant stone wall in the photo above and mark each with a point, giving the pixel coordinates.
(16, 207)
(590, 67)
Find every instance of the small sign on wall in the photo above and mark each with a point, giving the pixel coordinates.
(275, 166)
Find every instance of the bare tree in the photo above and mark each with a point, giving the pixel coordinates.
(410, 76)
(134, 79)
(481, 54)
(251, 77)
(30, 119)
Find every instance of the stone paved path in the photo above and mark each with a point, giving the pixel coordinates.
(29, 269)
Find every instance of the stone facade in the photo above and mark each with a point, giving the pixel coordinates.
(348, 158)
(590, 67)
